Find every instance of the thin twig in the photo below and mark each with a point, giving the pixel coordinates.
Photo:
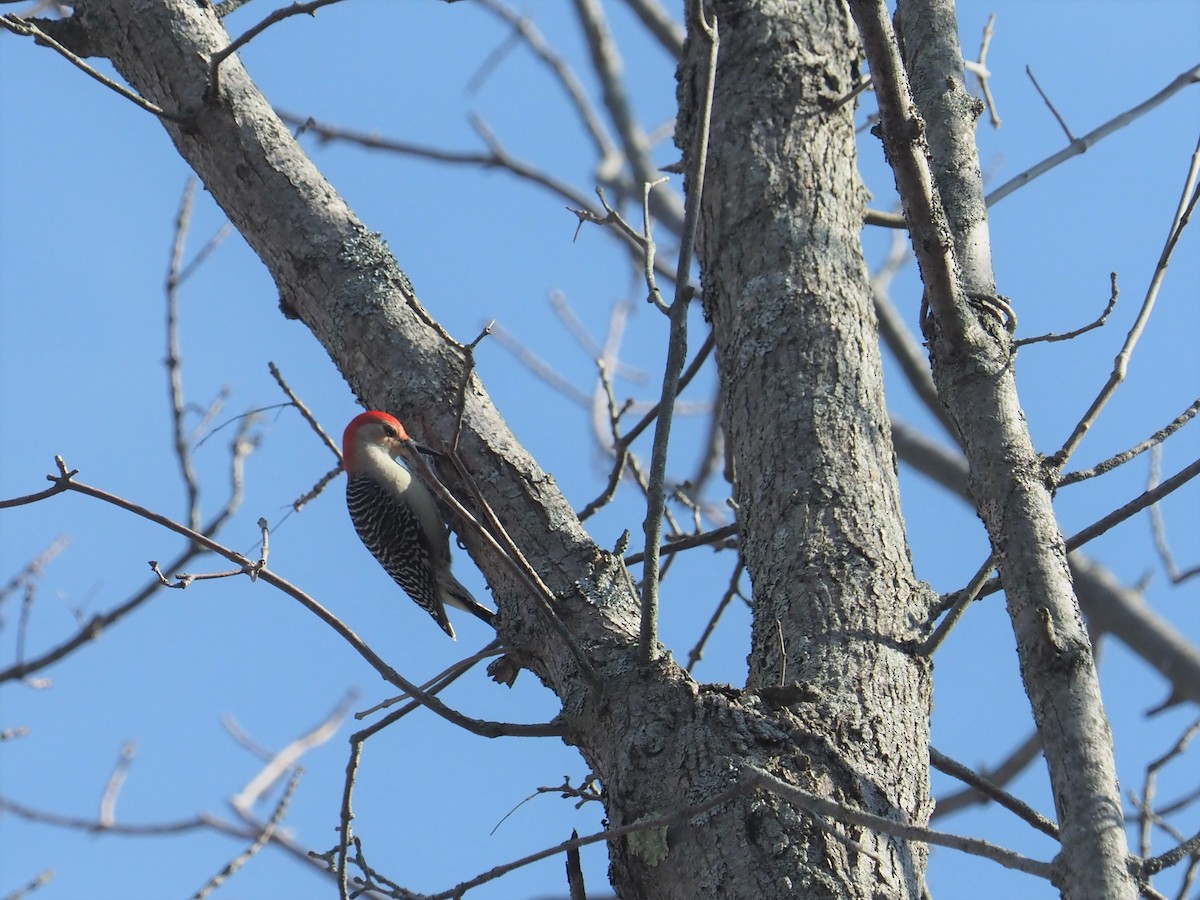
(1070, 335)
(655, 295)
(40, 880)
(17, 25)
(296, 9)
(617, 318)
(259, 842)
(714, 537)
(1117, 516)
(1006, 772)
(279, 763)
(438, 682)
(497, 157)
(677, 346)
(1152, 442)
(961, 600)
(1061, 123)
(839, 812)
(112, 790)
(733, 590)
(501, 543)
(1134, 506)
(620, 449)
(523, 26)
(33, 569)
(345, 830)
(1177, 749)
(1081, 145)
(304, 411)
(538, 367)
(646, 421)
(1159, 528)
(1187, 203)
(173, 363)
(606, 64)
(980, 70)
(95, 626)
(955, 769)
(464, 383)
(475, 726)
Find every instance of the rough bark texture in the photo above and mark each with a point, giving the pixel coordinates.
(1011, 484)
(828, 554)
(972, 359)
(785, 287)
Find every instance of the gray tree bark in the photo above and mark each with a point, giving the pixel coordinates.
(932, 150)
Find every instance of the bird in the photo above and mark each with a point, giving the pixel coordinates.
(399, 521)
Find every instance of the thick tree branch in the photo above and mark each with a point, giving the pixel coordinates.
(972, 363)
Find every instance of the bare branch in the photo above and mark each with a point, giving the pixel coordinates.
(1187, 203)
(112, 790)
(77, 823)
(1121, 611)
(33, 569)
(612, 342)
(1157, 526)
(697, 160)
(1134, 506)
(499, 540)
(620, 449)
(1070, 335)
(1118, 516)
(980, 70)
(33, 498)
(734, 590)
(714, 537)
(172, 362)
(497, 157)
(606, 62)
(305, 412)
(259, 842)
(39, 880)
(1151, 782)
(1026, 753)
(1152, 442)
(539, 367)
(296, 9)
(1081, 145)
(575, 883)
(1062, 124)
(20, 26)
(92, 629)
(475, 726)
(281, 762)
(660, 24)
(841, 813)
(523, 26)
(961, 600)
(988, 789)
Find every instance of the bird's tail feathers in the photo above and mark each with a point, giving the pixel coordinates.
(454, 594)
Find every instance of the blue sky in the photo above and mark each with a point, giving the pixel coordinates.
(89, 188)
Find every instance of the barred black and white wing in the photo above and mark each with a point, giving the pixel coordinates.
(414, 554)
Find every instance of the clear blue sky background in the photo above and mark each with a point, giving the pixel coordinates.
(89, 187)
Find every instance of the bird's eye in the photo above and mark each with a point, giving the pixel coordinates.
(389, 431)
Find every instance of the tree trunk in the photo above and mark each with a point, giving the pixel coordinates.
(786, 289)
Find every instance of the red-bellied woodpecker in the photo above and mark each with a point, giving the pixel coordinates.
(398, 519)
